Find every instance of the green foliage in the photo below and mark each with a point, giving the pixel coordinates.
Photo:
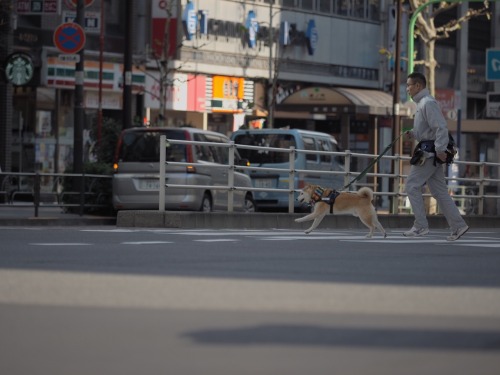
(98, 190)
(104, 149)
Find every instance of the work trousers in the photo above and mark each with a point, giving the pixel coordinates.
(433, 176)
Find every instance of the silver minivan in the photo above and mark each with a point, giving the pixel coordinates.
(136, 171)
(285, 138)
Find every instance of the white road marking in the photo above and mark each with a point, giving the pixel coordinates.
(61, 244)
(146, 242)
(218, 240)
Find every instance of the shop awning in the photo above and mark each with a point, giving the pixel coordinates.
(339, 100)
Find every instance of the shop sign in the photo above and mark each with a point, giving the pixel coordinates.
(160, 10)
(189, 20)
(92, 20)
(74, 3)
(449, 100)
(493, 64)
(228, 94)
(61, 74)
(312, 37)
(493, 105)
(19, 69)
(37, 7)
(253, 27)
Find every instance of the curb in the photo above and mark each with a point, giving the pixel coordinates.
(224, 220)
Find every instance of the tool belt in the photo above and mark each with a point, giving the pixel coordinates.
(421, 148)
(419, 154)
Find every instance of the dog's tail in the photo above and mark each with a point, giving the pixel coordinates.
(366, 192)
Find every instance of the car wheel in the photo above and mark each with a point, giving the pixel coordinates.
(249, 204)
(206, 203)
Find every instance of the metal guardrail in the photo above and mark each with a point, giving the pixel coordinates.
(470, 201)
(469, 193)
(31, 190)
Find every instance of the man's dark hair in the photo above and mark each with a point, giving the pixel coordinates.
(418, 77)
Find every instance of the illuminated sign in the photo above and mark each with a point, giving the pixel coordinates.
(19, 69)
(37, 6)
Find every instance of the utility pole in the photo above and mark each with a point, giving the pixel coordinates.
(79, 111)
(127, 65)
(397, 79)
(272, 78)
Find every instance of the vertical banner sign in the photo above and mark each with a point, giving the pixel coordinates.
(160, 11)
(203, 14)
(312, 37)
(492, 64)
(189, 21)
(252, 27)
(284, 33)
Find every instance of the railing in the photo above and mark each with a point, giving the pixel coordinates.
(70, 192)
(469, 193)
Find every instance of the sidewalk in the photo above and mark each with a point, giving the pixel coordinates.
(24, 215)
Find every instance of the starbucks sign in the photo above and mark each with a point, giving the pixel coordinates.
(19, 69)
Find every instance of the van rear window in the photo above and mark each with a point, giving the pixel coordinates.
(265, 140)
(144, 146)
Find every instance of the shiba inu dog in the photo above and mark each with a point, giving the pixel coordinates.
(356, 203)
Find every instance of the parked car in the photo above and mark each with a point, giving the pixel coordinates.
(136, 171)
(286, 138)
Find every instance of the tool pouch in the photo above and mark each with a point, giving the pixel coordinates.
(418, 157)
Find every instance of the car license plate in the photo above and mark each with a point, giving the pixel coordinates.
(149, 184)
(264, 183)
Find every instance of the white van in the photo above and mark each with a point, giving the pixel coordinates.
(286, 138)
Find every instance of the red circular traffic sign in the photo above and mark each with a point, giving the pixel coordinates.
(69, 37)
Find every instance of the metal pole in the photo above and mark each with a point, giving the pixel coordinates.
(397, 79)
(79, 110)
(270, 113)
(127, 66)
(101, 63)
(163, 157)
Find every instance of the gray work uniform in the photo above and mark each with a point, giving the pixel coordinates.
(430, 125)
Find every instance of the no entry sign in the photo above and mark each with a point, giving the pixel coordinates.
(69, 37)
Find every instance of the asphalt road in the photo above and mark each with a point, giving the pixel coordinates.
(102, 300)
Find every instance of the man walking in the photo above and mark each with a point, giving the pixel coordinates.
(430, 130)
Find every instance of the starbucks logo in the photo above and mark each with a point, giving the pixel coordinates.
(19, 69)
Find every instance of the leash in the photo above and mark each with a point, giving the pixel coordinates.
(372, 163)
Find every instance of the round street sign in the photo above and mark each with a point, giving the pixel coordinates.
(73, 3)
(69, 37)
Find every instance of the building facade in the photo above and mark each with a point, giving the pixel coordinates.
(322, 65)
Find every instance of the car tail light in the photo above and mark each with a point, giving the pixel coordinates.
(191, 169)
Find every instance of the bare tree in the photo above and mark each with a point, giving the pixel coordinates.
(429, 33)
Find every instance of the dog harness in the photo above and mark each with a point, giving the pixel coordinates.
(327, 196)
